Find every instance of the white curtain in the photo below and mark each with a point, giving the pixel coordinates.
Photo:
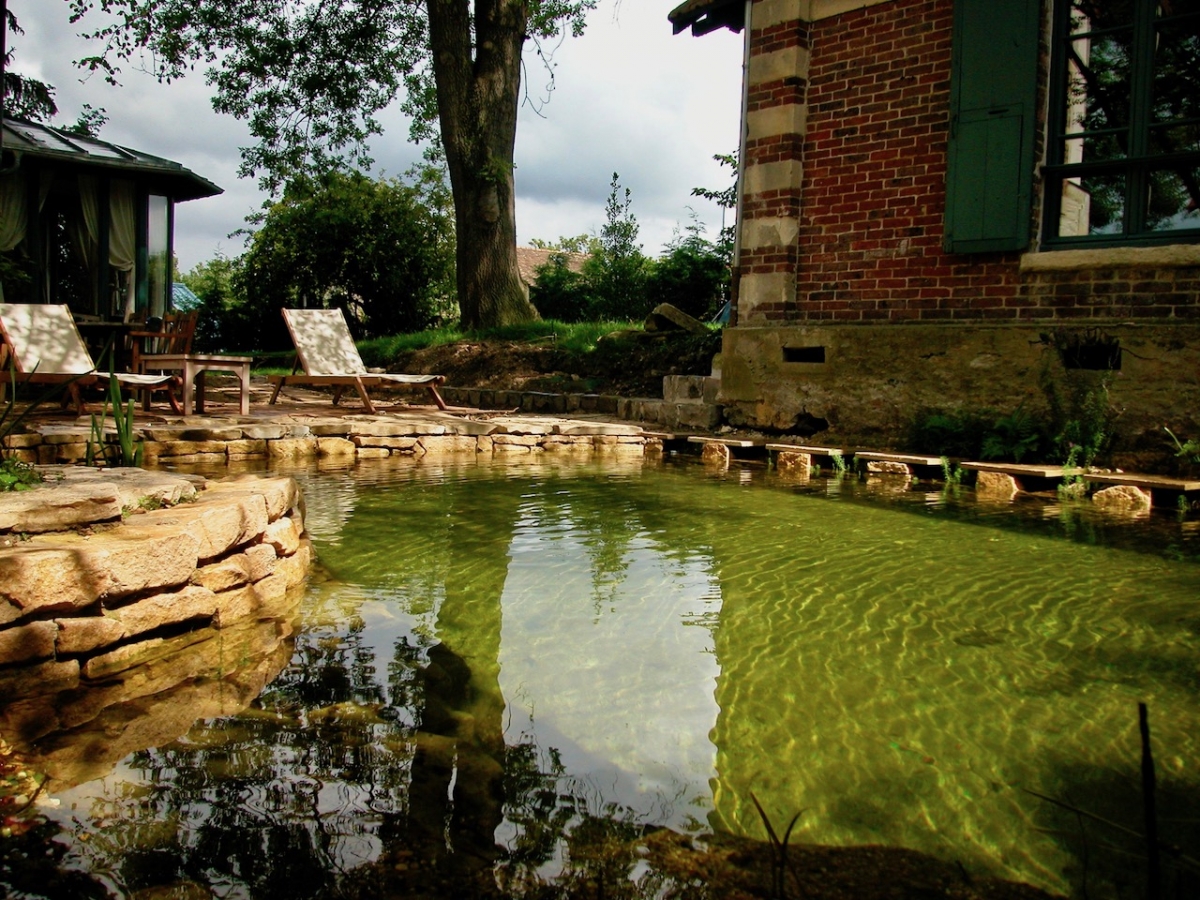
(85, 228)
(122, 237)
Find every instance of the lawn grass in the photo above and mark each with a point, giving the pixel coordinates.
(573, 337)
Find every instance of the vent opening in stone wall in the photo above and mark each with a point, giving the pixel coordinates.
(804, 354)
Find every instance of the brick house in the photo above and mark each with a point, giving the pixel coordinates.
(951, 204)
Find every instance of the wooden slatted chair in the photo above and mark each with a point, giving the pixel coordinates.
(173, 337)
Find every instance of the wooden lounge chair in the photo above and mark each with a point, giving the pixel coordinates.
(45, 348)
(326, 351)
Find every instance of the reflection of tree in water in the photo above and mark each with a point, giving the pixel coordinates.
(352, 778)
(1104, 86)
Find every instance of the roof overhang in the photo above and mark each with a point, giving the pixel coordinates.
(703, 16)
(53, 145)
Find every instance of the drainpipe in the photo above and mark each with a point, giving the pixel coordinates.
(735, 280)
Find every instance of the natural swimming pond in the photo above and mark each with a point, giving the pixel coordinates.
(500, 668)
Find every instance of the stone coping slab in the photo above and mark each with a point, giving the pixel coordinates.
(73, 497)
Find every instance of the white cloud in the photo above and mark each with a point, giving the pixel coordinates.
(629, 97)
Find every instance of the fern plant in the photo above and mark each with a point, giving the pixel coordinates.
(1012, 437)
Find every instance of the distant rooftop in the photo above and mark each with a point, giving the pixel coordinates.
(529, 259)
(182, 297)
(53, 144)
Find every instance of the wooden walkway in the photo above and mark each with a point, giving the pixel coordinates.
(1027, 477)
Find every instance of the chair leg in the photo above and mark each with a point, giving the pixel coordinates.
(275, 393)
(364, 396)
(76, 396)
(170, 389)
(437, 398)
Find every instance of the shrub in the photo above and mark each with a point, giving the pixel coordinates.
(692, 275)
(561, 294)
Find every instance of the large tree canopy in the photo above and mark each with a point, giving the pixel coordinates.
(24, 98)
(311, 76)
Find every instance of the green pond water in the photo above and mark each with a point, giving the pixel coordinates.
(492, 659)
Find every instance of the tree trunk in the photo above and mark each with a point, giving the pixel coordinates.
(478, 88)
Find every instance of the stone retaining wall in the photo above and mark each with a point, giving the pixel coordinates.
(102, 572)
(351, 437)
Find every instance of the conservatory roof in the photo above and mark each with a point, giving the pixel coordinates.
(29, 139)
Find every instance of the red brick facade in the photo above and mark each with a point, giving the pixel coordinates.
(871, 202)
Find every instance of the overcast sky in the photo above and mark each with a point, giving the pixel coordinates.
(629, 97)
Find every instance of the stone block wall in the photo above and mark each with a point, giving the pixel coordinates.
(298, 437)
(126, 585)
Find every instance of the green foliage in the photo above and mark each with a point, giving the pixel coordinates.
(561, 293)
(1012, 437)
(839, 463)
(580, 243)
(382, 251)
(24, 98)
(726, 198)
(618, 282)
(226, 317)
(951, 474)
(567, 337)
(16, 475)
(126, 450)
(693, 275)
(955, 433)
(1083, 421)
(310, 80)
(617, 272)
(1189, 450)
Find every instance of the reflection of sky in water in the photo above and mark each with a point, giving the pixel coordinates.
(669, 644)
(613, 670)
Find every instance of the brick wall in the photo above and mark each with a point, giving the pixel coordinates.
(871, 205)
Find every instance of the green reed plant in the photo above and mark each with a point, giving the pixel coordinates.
(779, 851)
(126, 450)
(839, 463)
(951, 473)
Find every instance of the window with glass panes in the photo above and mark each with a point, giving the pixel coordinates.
(1123, 147)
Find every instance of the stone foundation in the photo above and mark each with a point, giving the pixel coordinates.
(865, 385)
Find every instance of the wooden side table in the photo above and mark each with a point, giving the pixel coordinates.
(193, 366)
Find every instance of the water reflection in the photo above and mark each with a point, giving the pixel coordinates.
(505, 675)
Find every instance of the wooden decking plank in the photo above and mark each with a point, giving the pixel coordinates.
(809, 449)
(729, 442)
(1017, 469)
(1162, 482)
(906, 458)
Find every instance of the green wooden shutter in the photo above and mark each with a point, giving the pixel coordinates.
(993, 98)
